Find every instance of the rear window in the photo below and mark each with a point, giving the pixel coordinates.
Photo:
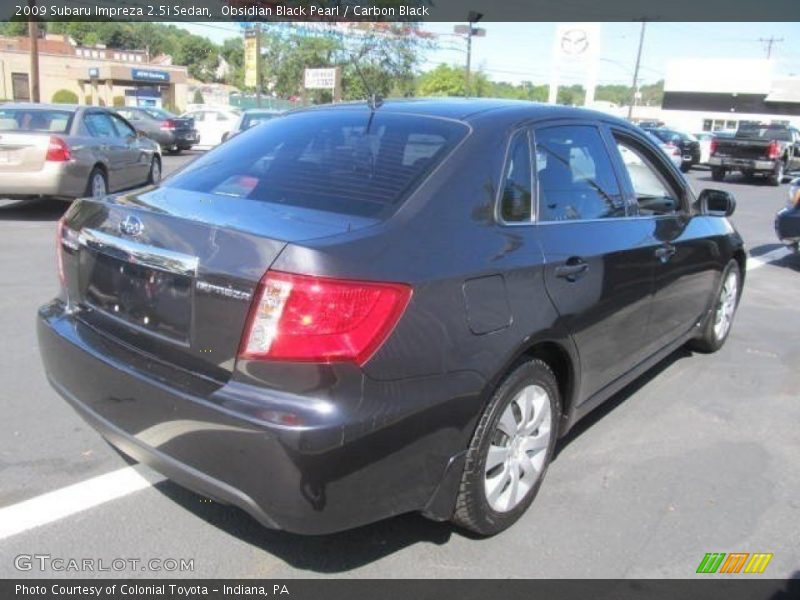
(764, 132)
(340, 161)
(158, 113)
(34, 119)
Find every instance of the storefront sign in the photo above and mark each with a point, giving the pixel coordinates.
(149, 75)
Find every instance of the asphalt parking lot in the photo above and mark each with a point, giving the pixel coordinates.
(698, 456)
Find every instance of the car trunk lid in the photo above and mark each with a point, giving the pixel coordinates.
(23, 152)
(172, 273)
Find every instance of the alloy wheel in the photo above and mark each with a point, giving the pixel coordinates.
(98, 186)
(726, 305)
(516, 456)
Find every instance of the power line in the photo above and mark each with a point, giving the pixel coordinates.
(768, 42)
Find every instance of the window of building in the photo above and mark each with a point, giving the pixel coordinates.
(576, 180)
(20, 86)
(707, 124)
(515, 203)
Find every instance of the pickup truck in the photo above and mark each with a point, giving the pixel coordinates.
(757, 149)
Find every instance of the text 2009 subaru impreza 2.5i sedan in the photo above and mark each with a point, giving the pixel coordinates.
(349, 313)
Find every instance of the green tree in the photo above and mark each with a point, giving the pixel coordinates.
(199, 55)
(65, 97)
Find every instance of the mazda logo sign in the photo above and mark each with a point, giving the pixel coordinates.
(131, 226)
(574, 41)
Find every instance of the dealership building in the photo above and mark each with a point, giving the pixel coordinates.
(709, 95)
(95, 74)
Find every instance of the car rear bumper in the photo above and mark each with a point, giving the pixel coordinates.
(742, 163)
(339, 473)
(55, 179)
(787, 226)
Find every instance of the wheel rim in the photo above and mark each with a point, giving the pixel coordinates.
(155, 172)
(98, 186)
(726, 305)
(517, 452)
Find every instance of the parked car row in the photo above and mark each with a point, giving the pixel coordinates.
(66, 151)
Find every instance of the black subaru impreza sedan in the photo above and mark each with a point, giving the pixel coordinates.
(352, 312)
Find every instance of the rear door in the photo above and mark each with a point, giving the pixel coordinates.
(599, 261)
(685, 268)
(137, 161)
(110, 146)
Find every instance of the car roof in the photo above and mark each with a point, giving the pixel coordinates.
(467, 109)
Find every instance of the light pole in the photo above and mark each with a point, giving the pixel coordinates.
(33, 36)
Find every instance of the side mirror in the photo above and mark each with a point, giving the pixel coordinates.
(717, 203)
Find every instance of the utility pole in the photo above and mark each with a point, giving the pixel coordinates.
(769, 42)
(33, 35)
(468, 30)
(635, 89)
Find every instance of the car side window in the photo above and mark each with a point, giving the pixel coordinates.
(100, 125)
(123, 129)
(575, 176)
(221, 117)
(197, 116)
(654, 194)
(515, 203)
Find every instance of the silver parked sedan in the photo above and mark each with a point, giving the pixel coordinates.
(67, 152)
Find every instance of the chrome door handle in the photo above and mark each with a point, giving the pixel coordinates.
(572, 270)
(664, 253)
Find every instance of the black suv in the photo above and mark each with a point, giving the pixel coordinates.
(345, 314)
(688, 144)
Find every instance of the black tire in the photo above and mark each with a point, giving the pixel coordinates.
(717, 173)
(776, 177)
(686, 167)
(96, 172)
(473, 511)
(709, 341)
(174, 151)
(151, 178)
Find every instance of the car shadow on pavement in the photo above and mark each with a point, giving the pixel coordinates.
(614, 401)
(32, 210)
(347, 550)
(789, 261)
(332, 553)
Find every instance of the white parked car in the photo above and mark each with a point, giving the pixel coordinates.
(212, 124)
(704, 137)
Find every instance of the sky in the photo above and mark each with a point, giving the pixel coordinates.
(516, 52)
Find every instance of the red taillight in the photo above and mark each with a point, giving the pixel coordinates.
(316, 319)
(57, 150)
(168, 125)
(773, 150)
(714, 144)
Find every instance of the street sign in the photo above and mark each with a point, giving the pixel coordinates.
(320, 79)
(464, 30)
(250, 58)
(149, 75)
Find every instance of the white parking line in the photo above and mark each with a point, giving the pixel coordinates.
(756, 262)
(76, 498)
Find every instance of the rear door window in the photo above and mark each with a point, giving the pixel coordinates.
(100, 125)
(344, 161)
(575, 176)
(25, 119)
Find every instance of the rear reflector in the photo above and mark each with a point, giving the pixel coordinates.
(316, 319)
(714, 144)
(57, 150)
